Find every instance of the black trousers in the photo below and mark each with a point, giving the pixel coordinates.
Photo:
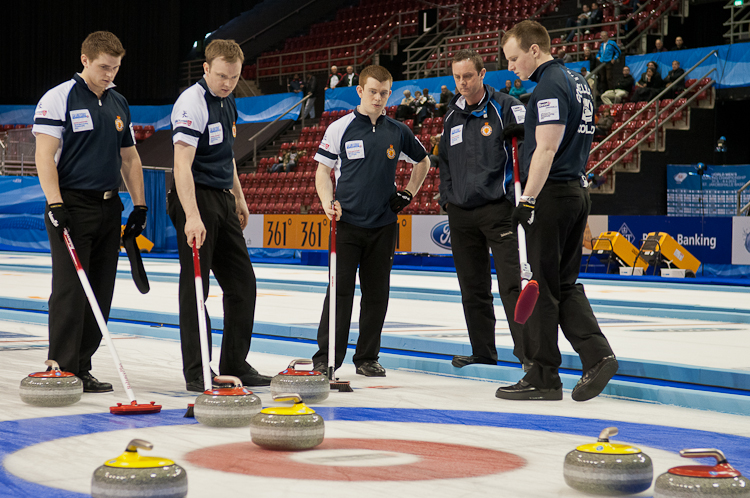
(554, 248)
(473, 233)
(370, 249)
(224, 252)
(74, 335)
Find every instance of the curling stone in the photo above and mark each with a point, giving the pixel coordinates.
(287, 428)
(51, 388)
(609, 469)
(227, 406)
(133, 475)
(701, 481)
(312, 386)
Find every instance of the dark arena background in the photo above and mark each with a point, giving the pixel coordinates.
(665, 266)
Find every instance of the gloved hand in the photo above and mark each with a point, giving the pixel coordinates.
(60, 218)
(136, 222)
(523, 214)
(399, 200)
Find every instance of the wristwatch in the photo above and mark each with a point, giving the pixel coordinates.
(527, 198)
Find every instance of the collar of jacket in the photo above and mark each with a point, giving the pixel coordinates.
(458, 103)
(202, 82)
(365, 117)
(79, 79)
(537, 74)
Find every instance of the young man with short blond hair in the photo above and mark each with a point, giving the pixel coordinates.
(208, 208)
(553, 209)
(85, 147)
(364, 148)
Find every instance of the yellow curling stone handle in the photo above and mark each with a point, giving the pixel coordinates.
(299, 407)
(131, 459)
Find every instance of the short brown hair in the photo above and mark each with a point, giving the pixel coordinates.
(229, 50)
(378, 72)
(528, 33)
(469, 55)
(102, 42)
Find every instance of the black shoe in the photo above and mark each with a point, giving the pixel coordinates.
(322, 368)
(197, 386)
(525, 391)
(253, 378)
(594, 381)
(462, 361)
(371, 369)
(92, 385)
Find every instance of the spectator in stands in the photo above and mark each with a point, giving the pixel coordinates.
(673, 76)
(658, 46)
(596, 14)
(563, 56)
(405, 109)
(622, 89)
(679, 44)
(294, 85)
(434, 153)
(349, 79)
(590, 57)
(508, 87)
(649, 85)
(80, 174)
(309, 86)
(583, 19)
(604, 125)
(288, 161)
(333, 78)
(425, 106)
(364, 148)
(445, 98)
(517, 89)
(609, 52)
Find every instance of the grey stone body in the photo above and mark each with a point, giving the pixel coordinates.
(670, 485)
(159, 482)
(311, 388)
(226, 411)
(608, 475)
(287, 432)
(51, 391)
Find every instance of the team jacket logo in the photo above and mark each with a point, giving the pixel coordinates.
(486, 130)
(234, 130)
(391, 152)
(119, 124)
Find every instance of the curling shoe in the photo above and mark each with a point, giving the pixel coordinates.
(371, 369)
(593, 382)
(525, 391)
(92, 385)
(462, 361)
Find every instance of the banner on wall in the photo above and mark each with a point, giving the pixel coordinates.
(709, 240)
(713, 195)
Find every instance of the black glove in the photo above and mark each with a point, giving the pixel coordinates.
(399, 200)
(136, 222)
(523, 214)
(60, 218)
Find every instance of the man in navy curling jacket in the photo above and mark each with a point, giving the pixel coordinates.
(476, 189)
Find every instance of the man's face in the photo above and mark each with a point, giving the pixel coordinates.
(651, 66)
(349, 69)
(101, 71)
(678, 41)
(585, 8)
(675, 65)
(444, 89)
(508, 84)
(604, 36)
(468, 81)
(334, 69)
(374, 95)
(658, 44)
(586, 52)
(594, 6)
(520, 62)
(222, 76)
(626, 71)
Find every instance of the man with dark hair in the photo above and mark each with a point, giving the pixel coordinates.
(309, 86)
(622, 89)
(445, 98)
(508, 87)
(679, 44)
(476, 189)
(207, 208)
(608, 53)
(673, 76)
(553, 209)
(88, 124)
(364, 148)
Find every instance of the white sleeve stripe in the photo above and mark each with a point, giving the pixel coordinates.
(181, 137)
(53, 131)
(325, 161)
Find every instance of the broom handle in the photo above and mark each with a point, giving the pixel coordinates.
(332, 299)
(201, 319)
(98, 314)
(525, 268)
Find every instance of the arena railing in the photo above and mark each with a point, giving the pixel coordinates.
(17, 156)
(660, 122)
(254, 138)
(742, 210)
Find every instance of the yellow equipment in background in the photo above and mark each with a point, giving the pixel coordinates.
(661, 246)
(615, 246)
(143, 243)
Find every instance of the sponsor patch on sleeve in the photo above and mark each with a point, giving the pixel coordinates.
(519, 112)
(548, 109)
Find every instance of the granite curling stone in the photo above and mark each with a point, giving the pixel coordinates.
(133, 475)
(609, 469)
(51, 388)
(702, 481)
(312, 386)
(287, 428)
(227, 406)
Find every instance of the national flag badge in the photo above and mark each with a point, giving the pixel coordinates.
(234, 130)
(391, 152)
(486, 130)
(119, 124)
